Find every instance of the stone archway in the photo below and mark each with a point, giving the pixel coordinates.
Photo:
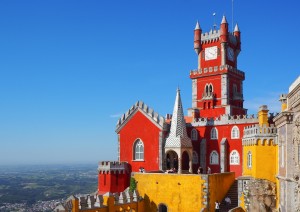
(171, 160)
(185, 161)
(162, 208)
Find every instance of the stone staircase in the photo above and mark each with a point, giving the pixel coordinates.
(233, 195)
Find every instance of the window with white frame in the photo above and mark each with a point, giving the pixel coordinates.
(195, 157)
(249, 159)
(194, 135)
(138, 150)
(214, 158)
(234, 158)
(235, 132)
(214, 133)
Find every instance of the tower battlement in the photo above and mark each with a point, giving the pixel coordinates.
(224, 119)
(210, 37)
(255, 133)
(216, 69)
(214, 36)
(113, 166)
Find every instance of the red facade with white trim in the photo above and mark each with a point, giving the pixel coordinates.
(217, 103)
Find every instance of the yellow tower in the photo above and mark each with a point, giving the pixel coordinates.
(260, 151)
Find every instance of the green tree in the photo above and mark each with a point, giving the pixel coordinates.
(132, 184)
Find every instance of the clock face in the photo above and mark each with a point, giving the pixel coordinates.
(230, 54)
(211, 53)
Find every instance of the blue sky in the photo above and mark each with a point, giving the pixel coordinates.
(69, 69)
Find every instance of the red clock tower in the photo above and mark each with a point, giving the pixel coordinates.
(217, 84)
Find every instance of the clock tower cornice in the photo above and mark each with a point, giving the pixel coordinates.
(217, 70)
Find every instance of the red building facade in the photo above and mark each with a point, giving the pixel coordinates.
(211, 135)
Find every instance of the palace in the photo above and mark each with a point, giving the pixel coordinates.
(254, 160)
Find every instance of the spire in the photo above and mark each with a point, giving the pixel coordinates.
(178, 136)
(236, 28)
(197, 26)
(224, 21)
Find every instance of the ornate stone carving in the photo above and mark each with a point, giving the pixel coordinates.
(260, 196)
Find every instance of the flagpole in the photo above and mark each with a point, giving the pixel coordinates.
(232, 15)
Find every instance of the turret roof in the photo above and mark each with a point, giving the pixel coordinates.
(236, 28)
(178, 136)
(224, 21)
(197, 25)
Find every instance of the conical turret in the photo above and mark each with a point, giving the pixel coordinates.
(237, 34)
(197, 38)
(178, 136)
(224, 30)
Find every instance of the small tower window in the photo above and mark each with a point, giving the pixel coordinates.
(138, 150)
(195, 157)
(235, 132)
(234, 88)
(194, 135)
(206, 90)
(214, 133)
(249, 159)
(210, 89)
(214, 158)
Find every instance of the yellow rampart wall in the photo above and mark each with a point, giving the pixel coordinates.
(110, 205)
(182, 192)
(219, 185)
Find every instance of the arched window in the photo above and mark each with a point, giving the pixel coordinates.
(214, 133)
(195, 157)
(249, 159)
(194, 135)
(235, 132)
(234, 88)
(210, 90)
(214, 158)
(234, 158)
(138, 150)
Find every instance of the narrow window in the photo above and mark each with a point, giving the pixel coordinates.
(194, 135)
(214, 158)
(195, 157)
(249, 159)
(138, 150)
(214, 133)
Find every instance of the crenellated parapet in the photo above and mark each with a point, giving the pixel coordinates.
(118, 201)
(264, 134)
(224, 119)
(142, 107)
(113, 167)
(216, 69)
(210, 37)
(214, 36)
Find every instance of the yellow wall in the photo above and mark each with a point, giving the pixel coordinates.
(181, 192)
(219, 184)
(263, 161)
